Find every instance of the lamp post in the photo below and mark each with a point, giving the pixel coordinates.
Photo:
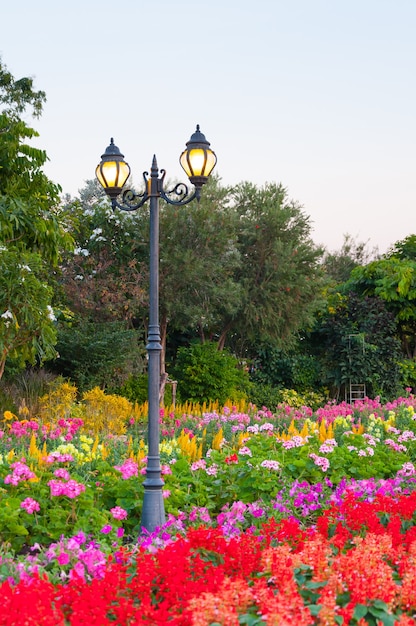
(198, 161)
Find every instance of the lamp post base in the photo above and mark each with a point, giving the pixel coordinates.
(153, 512)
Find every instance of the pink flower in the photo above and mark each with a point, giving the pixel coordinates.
(62, 473)
(106, 529)
(71, 489)
(30, 505)
(128, 469)
(118, 513)
(63, 558)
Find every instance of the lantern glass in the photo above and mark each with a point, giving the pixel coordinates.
(112, 174)
(198, 162)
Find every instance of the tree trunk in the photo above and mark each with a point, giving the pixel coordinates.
(223, 337)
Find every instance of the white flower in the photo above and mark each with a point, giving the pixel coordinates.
(51, 314)
(7, 316)
(81, 251)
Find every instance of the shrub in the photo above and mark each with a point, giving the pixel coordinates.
(103, 355)
(206, 374)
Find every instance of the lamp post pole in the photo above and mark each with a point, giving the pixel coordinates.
(198, 161)
(153, 512)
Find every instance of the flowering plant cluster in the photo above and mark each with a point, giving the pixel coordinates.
(246, 493)
(356, 566)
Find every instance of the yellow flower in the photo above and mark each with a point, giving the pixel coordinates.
(8, 415)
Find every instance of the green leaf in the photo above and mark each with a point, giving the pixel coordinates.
(360, 611)
(314, 608)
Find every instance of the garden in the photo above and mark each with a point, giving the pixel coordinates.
(293, 516)
(281, 507)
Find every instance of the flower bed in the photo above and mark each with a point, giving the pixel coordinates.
(270, 517)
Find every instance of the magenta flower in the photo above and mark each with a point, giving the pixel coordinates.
(128, 469)
(63, 558)
(118, 513)
(62, 473)
(106, 529)
(30, 505)
(72, 489)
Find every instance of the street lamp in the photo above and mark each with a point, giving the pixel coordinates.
(198, 161)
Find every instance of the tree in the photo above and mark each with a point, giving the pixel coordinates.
(279, 271)
(206, 374)
(29, 201)
(339, 265)
(404, 249)
(105, 277)
(27, 329)
(393, 280)
(199, 259)
(356, 341)
(32, 235)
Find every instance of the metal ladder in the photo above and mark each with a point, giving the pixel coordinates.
(357, 391)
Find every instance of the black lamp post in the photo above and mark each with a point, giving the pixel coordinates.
(198, 161)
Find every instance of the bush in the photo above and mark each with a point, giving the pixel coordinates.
(206, 374)
(135, 389)
(98, 354)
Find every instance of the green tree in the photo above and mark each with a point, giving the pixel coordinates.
(32, 235)
(339, 264)
(404, 249)
(204, 373)
(29, 201)
(27, 329)
(393, 280)
(356, 342)
(199, 259)
(279, 271)
(104, 278)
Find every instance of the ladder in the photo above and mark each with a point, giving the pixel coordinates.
(357, 392)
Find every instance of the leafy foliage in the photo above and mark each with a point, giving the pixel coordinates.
(32, 235)
(356, 342)
(393, 280)
(27, 324)
(93, 354)
(204, 373)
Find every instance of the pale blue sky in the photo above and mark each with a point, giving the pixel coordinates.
(319, 95)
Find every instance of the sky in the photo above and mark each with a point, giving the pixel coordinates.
(319, 95)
